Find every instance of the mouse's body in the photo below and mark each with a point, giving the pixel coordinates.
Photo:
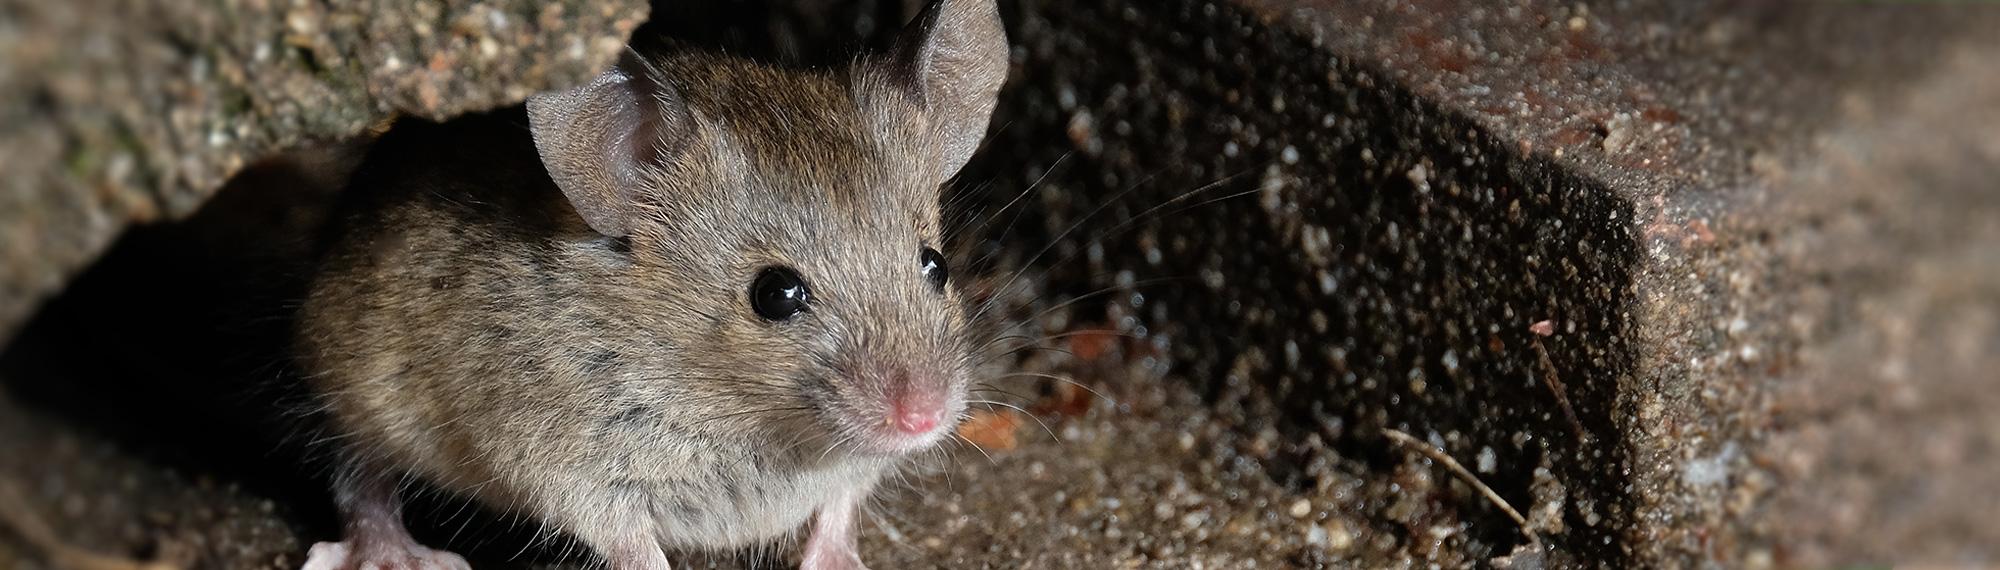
(695, 304)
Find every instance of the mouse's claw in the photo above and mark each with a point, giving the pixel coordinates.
(408, 556)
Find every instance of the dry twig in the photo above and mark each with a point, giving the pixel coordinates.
(1556, 385)
(1439, 456)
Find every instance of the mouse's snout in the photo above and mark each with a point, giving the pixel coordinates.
(911, 410)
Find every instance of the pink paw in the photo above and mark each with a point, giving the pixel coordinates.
(366, 556)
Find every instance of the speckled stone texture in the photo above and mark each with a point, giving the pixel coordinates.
(1790, 217)
(1699, 196)
(114, 112)
(1685, 283)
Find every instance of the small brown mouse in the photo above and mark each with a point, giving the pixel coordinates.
(695, 304)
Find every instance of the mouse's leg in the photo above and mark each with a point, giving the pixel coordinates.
(619, 534)
(832, 545)
(636, 554)
(374, 535)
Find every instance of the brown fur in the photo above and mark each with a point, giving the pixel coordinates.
(469, 327)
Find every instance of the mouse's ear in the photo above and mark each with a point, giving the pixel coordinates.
(953, 58)
(595, 140)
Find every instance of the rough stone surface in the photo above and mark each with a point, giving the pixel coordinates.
(1771, 156)
(1323, 256)
(1880, 443)
(1685, 283)
(114, 112)
(1692, 121)
(1702, 116)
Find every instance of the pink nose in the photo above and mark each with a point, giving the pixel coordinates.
(916, 421)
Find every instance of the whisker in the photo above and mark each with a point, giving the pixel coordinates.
(1117, 228)
(1038, 420)
(1017, 198)
(1030, 346)
(989, 388)
(968, 441)
(1086, 296)
(1093, 392)
(836, 445)
(1142, 216)
(1057, 240)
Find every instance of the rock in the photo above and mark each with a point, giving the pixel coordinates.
(134, 112)
(1660, 213)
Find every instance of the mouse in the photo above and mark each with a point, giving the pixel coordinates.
(697, 303)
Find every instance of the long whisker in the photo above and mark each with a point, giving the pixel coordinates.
(1093, 392)
(1126, 225)
(1057, 240)
(836, 445)
(1006, 337)
(1023, 194)
(985, 387)
(1025, 346)
(817, 436)
(1053, 242)
(1087, 296)
(968, 441)
(1142, 216)
(1102, 332)
(1045, 425)
(962, 198)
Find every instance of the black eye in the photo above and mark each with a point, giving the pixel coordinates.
(779, 294)
(934, 268)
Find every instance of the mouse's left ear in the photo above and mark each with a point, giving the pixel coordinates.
(595, 140)
(953, 58)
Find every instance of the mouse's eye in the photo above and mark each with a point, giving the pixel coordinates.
(779, 294)
(934, 268)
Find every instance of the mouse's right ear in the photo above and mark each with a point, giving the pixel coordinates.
(597, 139)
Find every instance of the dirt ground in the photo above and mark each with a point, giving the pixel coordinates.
(1141, 474)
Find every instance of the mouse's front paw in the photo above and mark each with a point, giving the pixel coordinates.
(358, 555)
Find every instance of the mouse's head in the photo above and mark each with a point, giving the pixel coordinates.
(784, 227)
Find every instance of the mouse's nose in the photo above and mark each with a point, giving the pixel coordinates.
(915, 411)
(915, 420)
